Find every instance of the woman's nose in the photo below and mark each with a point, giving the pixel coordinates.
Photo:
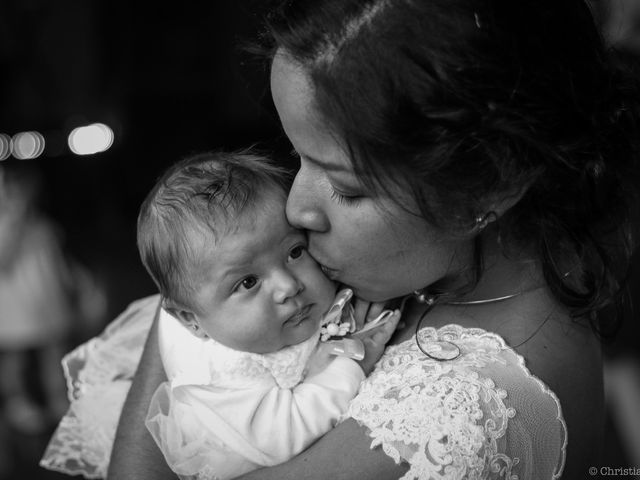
(304, 205)
(286, 285)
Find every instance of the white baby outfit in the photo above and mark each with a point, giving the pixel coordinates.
(224, 412)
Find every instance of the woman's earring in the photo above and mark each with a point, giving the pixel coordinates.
(423, 297)
(483, 220)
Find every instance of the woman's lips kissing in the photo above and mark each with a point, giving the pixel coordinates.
(329, 272)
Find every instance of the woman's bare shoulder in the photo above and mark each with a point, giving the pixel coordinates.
(565, 353)
(561, 350)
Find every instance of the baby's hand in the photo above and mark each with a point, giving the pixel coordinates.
(369, 324)
(364, 312)
(375, 338)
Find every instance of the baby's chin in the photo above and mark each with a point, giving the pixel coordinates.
(307, 329)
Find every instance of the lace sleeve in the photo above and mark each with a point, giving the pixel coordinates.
(480, 416)
(98, 374)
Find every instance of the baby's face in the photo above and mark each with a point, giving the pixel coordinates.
(263, 290)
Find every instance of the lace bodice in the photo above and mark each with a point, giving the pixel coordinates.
(482, 415)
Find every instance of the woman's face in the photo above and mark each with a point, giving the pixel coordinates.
(367, 242)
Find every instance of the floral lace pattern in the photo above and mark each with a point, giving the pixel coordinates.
(456, 419)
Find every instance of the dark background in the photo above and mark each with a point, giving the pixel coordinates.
(169, 79)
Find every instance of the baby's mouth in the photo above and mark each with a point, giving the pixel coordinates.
(299, 316)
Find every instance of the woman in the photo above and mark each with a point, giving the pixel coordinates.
(480, 154)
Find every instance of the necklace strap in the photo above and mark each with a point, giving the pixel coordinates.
(451, 352)
(433, 299)
(484, 300)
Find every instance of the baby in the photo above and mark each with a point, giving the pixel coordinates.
(248, 383)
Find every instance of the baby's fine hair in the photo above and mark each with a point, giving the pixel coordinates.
(206, 193)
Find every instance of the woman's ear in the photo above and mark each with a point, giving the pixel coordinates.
(500, 202)
(185, 317)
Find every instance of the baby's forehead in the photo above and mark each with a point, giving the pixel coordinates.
(266, 220)
(268, 203)
(263, 217)
(232, 211)
(255, 232)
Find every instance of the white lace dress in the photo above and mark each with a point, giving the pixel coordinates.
(479, 416)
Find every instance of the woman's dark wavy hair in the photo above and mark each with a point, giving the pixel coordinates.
(465, 99)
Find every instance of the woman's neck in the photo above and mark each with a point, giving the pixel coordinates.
(485, 306)
(505, 273)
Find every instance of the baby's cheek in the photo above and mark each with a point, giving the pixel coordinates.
(315, 275)
(328, 290)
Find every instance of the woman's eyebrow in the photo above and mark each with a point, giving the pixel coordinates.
(332, 167)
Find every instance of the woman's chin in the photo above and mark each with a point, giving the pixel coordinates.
(369, 293)
(376, 289)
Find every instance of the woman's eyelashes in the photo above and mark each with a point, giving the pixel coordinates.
(344, 199)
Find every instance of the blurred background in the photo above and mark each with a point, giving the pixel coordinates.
(97, 97)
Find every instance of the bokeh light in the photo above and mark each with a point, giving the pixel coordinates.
(90, 139)
(5, 146)
(27, 145)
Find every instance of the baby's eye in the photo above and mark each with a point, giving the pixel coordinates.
(297, 251)
(249, 282)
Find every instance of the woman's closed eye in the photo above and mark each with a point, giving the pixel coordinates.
(345, 198)
(338, 195)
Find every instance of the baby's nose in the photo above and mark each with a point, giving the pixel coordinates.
(287, 286)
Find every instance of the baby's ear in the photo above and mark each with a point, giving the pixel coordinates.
(185, 317)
